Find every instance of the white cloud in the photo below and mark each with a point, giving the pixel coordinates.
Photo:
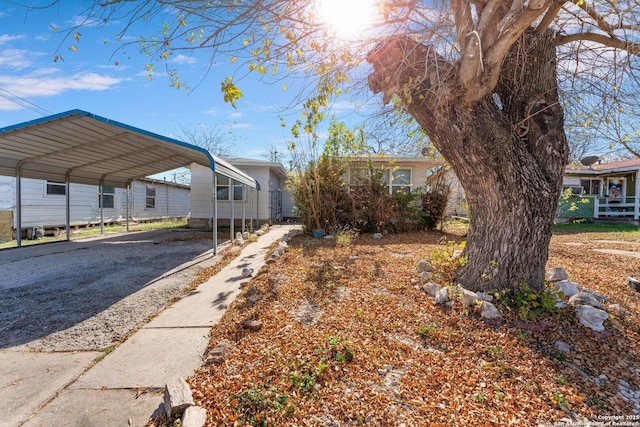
(17, 59)
(6, 105)
(84, 21)
(45, 82)
(241, 125)
(184, 60)
(5, 38)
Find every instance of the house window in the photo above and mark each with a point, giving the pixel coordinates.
(150, 199)
(107, 200)
(56, 188)
(358, 176)
(400, 180)
(237, 190)
(222, 188)
(590, 186)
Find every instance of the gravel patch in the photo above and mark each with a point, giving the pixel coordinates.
(89, 295)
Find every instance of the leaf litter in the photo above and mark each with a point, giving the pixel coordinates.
(348, 338)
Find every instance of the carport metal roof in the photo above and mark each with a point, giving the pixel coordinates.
(80, 147)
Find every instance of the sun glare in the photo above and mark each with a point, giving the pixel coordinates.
(347, 18)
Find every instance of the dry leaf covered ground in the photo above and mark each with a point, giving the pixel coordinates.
(348, 338)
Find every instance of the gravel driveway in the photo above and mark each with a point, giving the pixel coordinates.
(90, 294)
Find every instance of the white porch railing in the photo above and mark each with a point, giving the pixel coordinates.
(623, 207)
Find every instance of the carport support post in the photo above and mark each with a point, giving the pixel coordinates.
(18, 208)
(126, 190)
(257, 208)
(233, 212)
(214, 202)
(101, 209)
(67, 222)
(244, 216)
(251, 209)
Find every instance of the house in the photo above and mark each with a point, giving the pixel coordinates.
(401, 173)
(602, 191)
(44, 202)
(411, 173)
(271, 204)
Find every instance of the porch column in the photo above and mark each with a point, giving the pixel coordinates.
(596, 207)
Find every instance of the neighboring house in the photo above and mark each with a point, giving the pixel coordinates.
(271, 204)
(400, 173)
(44, 202)
(602, 190)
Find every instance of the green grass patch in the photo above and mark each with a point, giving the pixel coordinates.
(584, 227)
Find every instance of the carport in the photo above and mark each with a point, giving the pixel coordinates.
(80, 147)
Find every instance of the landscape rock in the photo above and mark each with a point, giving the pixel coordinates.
(194, 416)
(377, 235)
(252, 325)
(260, 233)
(424, 266)
(601, 298)
(247, 272)
(557, 274)
(442, 296)
(425, 276)
(567, 287)
(177, 397)
(634, 283)
(468, 298)
(431, 289)
(562, 346)
(245, 235)
(489, 311)
(218, 353)
(591, 317)
(485, 296)
(560, 303)
(585, 298)
(239, 238)
(617, 309)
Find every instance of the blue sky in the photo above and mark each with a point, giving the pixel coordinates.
(96, 80)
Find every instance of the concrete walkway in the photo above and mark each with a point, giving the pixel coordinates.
(125, 387)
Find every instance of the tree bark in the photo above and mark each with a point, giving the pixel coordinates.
(508, 150)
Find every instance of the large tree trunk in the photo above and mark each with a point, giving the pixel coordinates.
(508, 150)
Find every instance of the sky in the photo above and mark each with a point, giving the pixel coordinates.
(114, 85)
